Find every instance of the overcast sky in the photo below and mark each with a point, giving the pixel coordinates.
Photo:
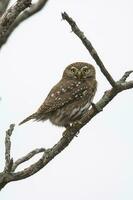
(98, 164)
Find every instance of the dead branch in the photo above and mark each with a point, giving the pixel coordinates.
(26, 158)
(10, 15)
(33, 9)
(3, 6)
(68, 135)
(8, 160)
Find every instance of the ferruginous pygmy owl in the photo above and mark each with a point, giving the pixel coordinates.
(70, 98)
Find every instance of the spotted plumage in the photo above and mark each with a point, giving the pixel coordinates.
(70, 98)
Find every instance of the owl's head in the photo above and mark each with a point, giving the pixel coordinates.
(79, 70)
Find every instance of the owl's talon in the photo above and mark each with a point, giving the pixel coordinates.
(76, 135)
(72, 125)
(76, 123)
(97, 108)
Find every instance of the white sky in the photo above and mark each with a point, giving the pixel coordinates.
(98, 165)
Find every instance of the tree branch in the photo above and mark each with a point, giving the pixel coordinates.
(10, 15)
(8, 160)
(10, 166)
(34, 8)
(126, 75)
(3, 6)
(68, 135)
(26, 158)
(89, 47)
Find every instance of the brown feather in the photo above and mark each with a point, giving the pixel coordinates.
(28, 118)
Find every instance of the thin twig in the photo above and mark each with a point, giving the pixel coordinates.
(89, 46)
(126, 75)
(8, 160)
(27, 157)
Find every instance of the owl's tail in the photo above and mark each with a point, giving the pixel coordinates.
(28, 118)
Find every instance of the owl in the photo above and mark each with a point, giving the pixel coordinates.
(70, 98)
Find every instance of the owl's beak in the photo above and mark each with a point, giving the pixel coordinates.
(79, 74)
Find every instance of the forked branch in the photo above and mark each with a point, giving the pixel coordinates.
(22, 16)
(10, 15)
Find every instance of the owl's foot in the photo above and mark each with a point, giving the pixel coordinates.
(76, 123)
(67, 127)
(97, 108)
(72, 125)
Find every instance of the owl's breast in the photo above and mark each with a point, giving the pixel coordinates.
(69, 101)
(69, 113)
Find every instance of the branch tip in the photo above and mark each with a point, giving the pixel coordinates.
(125, 76)
(10, 130)
(64, 15)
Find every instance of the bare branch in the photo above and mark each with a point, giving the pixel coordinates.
(8, 160)
(10, 15)
(28, 13)
(3, 6)
(89, 46)
(34, 8)
(126, 75)
(125, 85)
(26, 158)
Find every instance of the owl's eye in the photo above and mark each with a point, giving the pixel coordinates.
(85, 69)
(73, 69)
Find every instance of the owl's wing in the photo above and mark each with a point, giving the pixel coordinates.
(63, 93)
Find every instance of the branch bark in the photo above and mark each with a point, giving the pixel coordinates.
(34, 8)
(3, 6)
(68, 135)
(10, 15)
(8, 160)
(26, 158)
